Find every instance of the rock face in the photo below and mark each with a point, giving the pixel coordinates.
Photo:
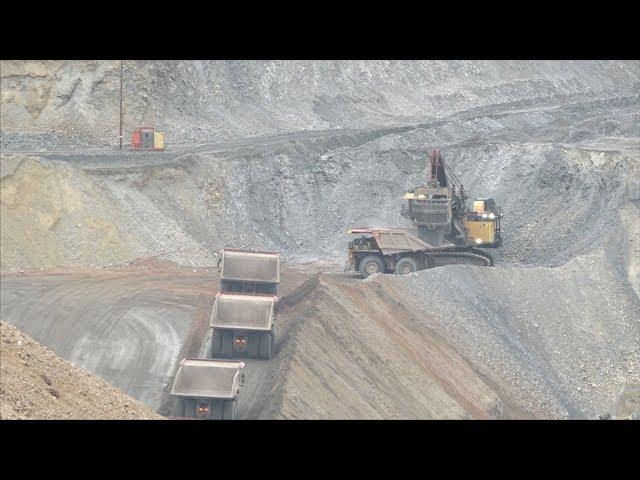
(58, 216)
(300, 193)
(78, 101)
(555, 143)
(351, 353)
(37, 384)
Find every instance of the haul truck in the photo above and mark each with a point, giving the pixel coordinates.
(246, 271)
(399, 251)
(446, 230)
(243, 313)
(206, 389)
(242, 324)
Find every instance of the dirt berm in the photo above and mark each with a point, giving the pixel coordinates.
(459, 342)
(37, 384)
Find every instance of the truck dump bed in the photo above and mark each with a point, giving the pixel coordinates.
(242, 311)
(250, 266)
(198, 377)
(391, 241)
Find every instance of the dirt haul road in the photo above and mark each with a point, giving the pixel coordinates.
(128, 327)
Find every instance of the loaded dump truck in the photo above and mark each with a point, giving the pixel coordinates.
(398, 251)
(244, 311)
(206, 389)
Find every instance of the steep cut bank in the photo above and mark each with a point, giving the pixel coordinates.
(37, 384)
(55, 215)
(49, 104)
(460, 342)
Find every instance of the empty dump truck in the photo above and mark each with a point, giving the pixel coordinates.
(242, 324)
(246, 271)
(206, 389)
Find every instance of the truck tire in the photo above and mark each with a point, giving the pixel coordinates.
(429, 262)
(406, 265)
(217, 411)
(273, 340)
(190, 407)
(177, 409)
(253, 345)
(371, 264)
(228, 409)
(266, 345)
(227, 344)
(216, 343)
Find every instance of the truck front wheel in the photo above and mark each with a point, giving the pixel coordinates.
(177, 409)
(371, 264)
(229, 409)
(227, 344)
(406, 265)
(266, 345)
(216, 343)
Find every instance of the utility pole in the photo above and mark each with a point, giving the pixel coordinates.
(120, 104)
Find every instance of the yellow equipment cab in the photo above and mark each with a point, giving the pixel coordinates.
(483, 223)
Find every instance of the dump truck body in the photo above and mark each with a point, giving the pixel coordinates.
(246, 271)
(206, 389)
(243, 311)
(242, 325)
(401, 252)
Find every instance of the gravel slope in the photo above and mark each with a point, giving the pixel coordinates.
(459, 342)
(562, 341)
(352, 354)
(37, 384)
(299, 193)
(55, 103)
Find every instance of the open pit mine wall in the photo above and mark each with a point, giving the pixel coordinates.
(78, 101)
